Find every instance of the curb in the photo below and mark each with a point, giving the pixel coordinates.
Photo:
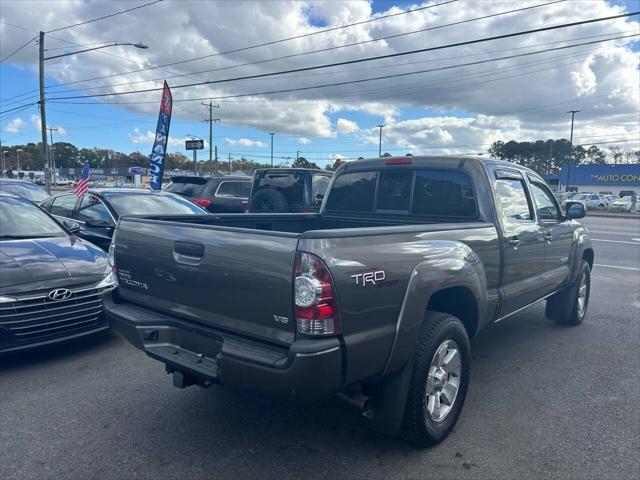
(614, 215)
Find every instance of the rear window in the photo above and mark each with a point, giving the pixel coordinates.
(192, 188)
(319, 184)
(433, 193)
(394, 190)
(353, 192)
(291, 185)
(444, 193)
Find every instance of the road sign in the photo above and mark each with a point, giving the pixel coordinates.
(138, 171)
(194, 144)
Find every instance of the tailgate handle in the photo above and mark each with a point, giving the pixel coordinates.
(189, 249)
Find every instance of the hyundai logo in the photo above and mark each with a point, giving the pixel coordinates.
(60, 294)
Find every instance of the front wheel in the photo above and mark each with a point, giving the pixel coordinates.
(569, 306)
(440, 380)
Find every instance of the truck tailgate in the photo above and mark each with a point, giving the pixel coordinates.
(235, 279)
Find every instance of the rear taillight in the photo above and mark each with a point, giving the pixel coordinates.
(398, 161)
(315, 303)
(203, 202)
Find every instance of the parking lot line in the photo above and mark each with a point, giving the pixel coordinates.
(614, 241)
(615, 266)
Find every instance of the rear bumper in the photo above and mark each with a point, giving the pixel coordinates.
(198, 354)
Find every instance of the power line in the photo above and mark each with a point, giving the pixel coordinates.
(16, 108)
(367, 59)
(304, 53)
(395, 66)
(383, 77)
(104, 17)
(18, 49)
(263, 44)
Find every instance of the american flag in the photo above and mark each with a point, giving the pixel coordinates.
(83, 182)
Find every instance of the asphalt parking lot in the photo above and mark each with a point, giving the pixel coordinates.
(544, 402)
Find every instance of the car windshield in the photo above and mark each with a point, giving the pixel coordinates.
(151, 204)
(20, 218)
(25, 190)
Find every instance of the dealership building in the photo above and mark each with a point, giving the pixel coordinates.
(598, 178)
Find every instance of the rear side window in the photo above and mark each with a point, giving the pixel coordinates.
(444, 193)
(513, 199)
(92, 208)
(188, 188)
(353, 192)
(233, 189)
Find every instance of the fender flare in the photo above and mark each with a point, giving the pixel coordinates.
(454, 265)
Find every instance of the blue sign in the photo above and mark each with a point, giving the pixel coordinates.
(160, 144)
(138, 171)
(621, 174)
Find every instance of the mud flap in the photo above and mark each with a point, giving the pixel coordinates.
(388, 401)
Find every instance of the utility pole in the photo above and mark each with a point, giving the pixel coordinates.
(573, 114)
(4, 163)
(381, 126)
(52, 162)
(210, 106)
(229, 164)
(18, 157)
(43, 118)
(272, 134)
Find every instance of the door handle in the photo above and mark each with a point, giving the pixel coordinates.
(548, 237)
(188, 252)
(514, 242)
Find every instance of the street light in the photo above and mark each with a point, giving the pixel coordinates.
(18, 157)
(4, 166)
(272, 134)
(43, 116)
(381, 126)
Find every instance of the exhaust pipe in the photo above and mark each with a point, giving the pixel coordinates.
(357, 400)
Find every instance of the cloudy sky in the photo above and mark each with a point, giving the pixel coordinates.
(450, 100)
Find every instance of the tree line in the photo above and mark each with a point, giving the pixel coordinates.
(543, 156)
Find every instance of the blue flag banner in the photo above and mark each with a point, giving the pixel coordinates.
(156, 170)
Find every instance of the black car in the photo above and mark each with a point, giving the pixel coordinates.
(51, 281)
(98, 210)
(293, 190)
(228, 194)
(24, 189)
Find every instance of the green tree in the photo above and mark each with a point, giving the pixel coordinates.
(302, 162)
(337, 162)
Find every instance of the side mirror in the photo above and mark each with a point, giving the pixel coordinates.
(575, 210)
(73, 227)
(98, 224)
(319, 198)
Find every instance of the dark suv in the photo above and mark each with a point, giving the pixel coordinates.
(216, 194)
(291, 190)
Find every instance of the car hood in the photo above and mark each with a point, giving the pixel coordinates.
(34, 264)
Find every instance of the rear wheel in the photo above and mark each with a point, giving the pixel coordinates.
(269, 201)
(440, 380)
(569, 306)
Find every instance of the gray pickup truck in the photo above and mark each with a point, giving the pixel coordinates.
(373, 298)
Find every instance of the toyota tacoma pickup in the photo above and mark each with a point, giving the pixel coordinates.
(373, 298)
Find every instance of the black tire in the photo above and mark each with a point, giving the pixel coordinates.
(564, 307)
(418, 426)
(269, 201)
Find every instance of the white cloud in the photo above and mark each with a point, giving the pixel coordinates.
(345, 126)
(304, 141)
(15, 126)
(149, 137)
(245, 142)
(35, 121)
(522, 96)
